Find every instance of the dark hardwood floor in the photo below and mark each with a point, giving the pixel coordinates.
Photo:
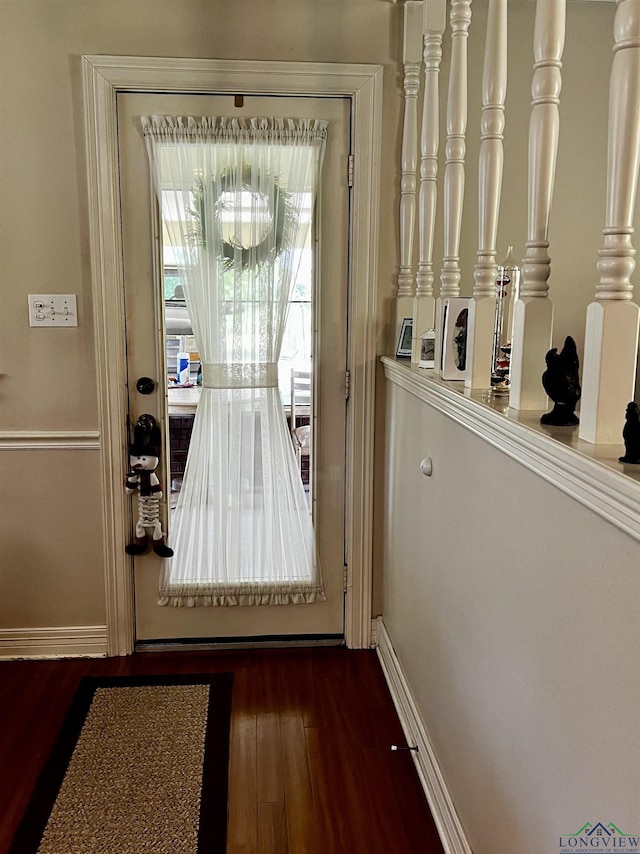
(311, 770)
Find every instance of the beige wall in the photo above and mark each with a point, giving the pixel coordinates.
(514, 613)
(51, 563)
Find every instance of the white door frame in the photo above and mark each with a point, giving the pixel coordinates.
(104, 77)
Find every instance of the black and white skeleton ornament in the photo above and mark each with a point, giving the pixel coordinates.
(144, 456)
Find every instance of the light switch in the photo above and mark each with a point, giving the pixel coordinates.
(53, 310)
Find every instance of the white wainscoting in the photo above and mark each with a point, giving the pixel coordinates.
(442, 808)
(591, 474)
(54, 642)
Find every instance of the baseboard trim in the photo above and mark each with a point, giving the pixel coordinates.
(54, 642)
(442, 808)
(374, 632)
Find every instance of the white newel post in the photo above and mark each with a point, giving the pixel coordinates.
(483, 305)
(460, 20)
(611, 340)
(412, 57)
(533, 315)
(424, 308)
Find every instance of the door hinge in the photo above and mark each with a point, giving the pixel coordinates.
(347, 384)
(345, 578)
(350, 170)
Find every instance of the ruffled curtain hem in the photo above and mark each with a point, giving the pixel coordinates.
(176, 598)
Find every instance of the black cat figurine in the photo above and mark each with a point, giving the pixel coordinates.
(562, 383)
(631, 435)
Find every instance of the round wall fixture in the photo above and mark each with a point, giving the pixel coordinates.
(426, 467)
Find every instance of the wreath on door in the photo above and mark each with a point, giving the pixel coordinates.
(219, 199)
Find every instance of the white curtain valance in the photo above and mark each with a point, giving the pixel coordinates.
(209, 128)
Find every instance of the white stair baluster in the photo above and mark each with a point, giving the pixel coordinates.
(412, 56)
(533, 315)
(494, 89)
(425, 304)
(460, 20)
(611, 340)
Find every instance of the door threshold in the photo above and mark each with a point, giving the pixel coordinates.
(262, 642)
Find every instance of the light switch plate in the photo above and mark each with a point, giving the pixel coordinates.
(53, 310)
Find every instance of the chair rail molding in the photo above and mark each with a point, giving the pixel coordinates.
(104, 77)
(49, 440)
(606, 492)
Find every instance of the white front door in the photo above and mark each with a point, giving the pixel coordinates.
(172, 408)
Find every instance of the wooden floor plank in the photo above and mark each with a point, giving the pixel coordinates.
(272, 829)
(270, 786)
(342, 827)
(303, 827)
(310, 769)
(242, 832)
(407, 821)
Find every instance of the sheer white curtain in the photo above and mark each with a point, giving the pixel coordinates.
(237, 195)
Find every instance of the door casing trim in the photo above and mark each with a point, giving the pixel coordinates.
(103, 78)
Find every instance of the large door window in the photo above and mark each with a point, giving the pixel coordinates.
(236, 200)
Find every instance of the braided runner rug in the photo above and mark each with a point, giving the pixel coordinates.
(139, 765)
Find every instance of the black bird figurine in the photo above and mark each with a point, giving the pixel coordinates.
(631, 435)
(562, 383)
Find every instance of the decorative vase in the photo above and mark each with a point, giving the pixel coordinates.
(507, 290)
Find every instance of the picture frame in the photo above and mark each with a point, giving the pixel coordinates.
(403, 350)
(453, 364)
(428, 349)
